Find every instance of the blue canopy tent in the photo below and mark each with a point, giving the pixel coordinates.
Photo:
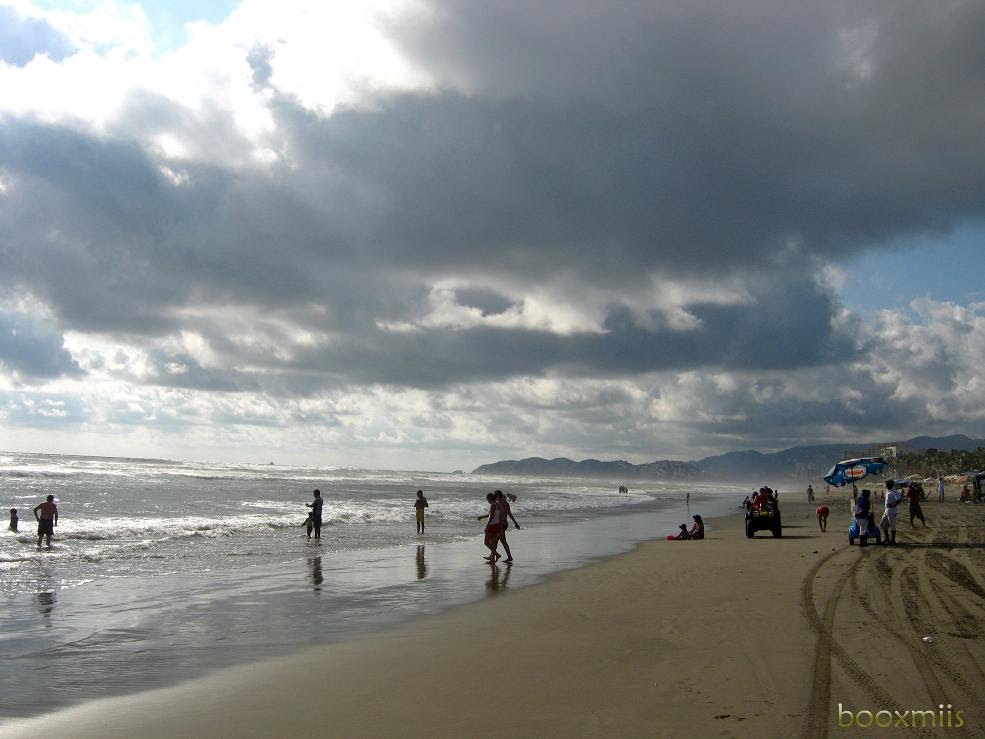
(853, 470)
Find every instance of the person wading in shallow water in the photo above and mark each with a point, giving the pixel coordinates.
(505, 515)
(315, 507)
(47, 519)
(493, 528)
(419, 505)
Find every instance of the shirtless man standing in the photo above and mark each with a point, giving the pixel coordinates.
(47, 519)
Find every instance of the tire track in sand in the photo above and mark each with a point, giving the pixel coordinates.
(816, 718)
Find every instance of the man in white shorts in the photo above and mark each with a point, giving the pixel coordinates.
(888, 521)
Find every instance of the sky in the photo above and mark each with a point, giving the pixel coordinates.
(430, 235)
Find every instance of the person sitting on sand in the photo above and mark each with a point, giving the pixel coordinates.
(822, 517)
(965, 495)
(698, 530)
(493, 528)
(13, 519)
(684, 535)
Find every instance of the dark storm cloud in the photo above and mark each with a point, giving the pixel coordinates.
(740, 125)
(586, 144)
(32, 350)
(22, 38)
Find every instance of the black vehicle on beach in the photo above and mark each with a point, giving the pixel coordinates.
(763, 514)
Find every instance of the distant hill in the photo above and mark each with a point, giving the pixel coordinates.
(814, 461)
(805, 462)
(563, 467)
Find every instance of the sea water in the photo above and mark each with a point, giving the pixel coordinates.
(163, 570)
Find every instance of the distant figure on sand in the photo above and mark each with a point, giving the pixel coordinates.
(316, 506)
(822, 517)
(913, 498)
(810, 494)
(13, 519)
(698, 530)
(940, 489)
(493, 528)
(47, 515)
(505, 515)
(419, 505)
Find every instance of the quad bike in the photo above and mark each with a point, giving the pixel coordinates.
(764, 518)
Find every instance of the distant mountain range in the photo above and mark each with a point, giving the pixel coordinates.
(805, 462)
(563, 467)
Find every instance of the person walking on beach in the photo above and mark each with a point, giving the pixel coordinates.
(13, 519)
(888, 521)
(505, 515)
(810, 494)
(940, 489)
(47, 515)
(913, 498)
(419, 505)
(316, 506)
(493, 528)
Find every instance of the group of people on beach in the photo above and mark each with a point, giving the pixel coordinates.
(894, 497)
(46, 514)
(497, 522)
(697, 531)
(498, 518)
(765, 497)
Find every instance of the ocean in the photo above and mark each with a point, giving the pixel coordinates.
(164, 570)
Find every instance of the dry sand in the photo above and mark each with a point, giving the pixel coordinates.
(725, 637)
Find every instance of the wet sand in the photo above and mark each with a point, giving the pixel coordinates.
(725, 637)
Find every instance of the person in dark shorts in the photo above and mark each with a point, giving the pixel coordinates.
(47, 515)
(315, 507)
(913, 498)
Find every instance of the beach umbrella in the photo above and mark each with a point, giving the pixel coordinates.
(852, 470)
(914, 478)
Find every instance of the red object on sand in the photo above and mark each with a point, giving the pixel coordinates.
(670, 537)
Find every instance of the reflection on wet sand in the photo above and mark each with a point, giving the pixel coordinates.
(422, 565)
(46, 604)
(316, 576)
(499, 578)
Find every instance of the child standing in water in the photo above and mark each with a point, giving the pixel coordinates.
(419, 505)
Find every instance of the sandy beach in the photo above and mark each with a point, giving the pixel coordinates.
(725, 637)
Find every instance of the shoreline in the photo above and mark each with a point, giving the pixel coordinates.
(726, 636)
